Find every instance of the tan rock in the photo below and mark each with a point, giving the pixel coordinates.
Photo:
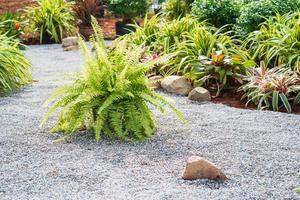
(199, 168)
(154, 81)
(199, 94)
(71, 48)
(177, 84)
(70, 41)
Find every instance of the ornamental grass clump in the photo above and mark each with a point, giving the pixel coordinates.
(277, 42)
(272, 88)
(110, 97)
(15, 70)
(52, 19)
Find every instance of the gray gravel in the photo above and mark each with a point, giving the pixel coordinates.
(259, 151)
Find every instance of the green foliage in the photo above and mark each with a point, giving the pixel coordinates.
(145, 36)
(110, 96)
(200, 41)
(10, 25)
(175, 9)
(255, 13)
(129, 9)
(15, 69)
(277, 42)
(218, 70)
(183, 41)
(272, 88)
(297, 190)
(218, 13)
(159, 35)
(51, 18)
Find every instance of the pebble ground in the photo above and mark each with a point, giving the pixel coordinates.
(259, 151)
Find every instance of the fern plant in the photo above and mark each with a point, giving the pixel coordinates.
(51, 18)
(15, 70)
(109, 97)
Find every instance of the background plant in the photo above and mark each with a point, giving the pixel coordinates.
(129, 9)
(84, 9)
(255, 12)
(51, 18)
(175, 9)
(218, 13)
(110, 96)
(15, 70)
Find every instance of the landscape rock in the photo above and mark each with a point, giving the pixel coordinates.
(177, 84)
(199, 94)
(199, 168)
(71, 48)
(155, 81)
(70, 41)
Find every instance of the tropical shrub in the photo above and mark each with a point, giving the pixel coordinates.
(51, 18)
(15, 69)
(84, 9)
(10, 25)
(129, 9)
(218, 13)
(255, 13)
(110, 96)
(277, 42)
(272, 88)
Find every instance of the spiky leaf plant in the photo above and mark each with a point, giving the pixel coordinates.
(109, 97)
(277, 42)
(51, 18)
(15, 70)
(272, 88)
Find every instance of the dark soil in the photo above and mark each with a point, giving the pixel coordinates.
(234, 99)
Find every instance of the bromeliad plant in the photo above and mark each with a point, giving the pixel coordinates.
(272, 88)
(109, 97)
(219, 70)
(15, 70)
(51, 18)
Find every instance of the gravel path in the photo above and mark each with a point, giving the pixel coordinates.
(259, 151)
